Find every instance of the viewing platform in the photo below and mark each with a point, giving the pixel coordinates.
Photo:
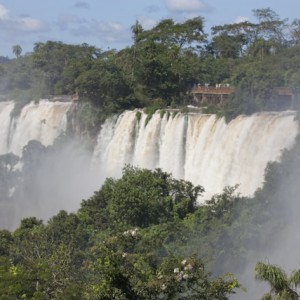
(208, 95)
(212, 90)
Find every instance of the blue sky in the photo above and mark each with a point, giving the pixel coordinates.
(106, 23)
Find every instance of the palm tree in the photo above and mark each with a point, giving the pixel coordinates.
(136, 29)
(17, 50)
(282, 286)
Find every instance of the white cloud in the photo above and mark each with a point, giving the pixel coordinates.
(241, 19)
(109, 32)
(28, 24)
(106, 32)
(147, 23)
(66, 21)
(18, 24)
(185, 5)
(3, 12)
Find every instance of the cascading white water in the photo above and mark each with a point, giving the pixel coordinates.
(5, 119)
(43, 121)
(51, 181)
(197, 147)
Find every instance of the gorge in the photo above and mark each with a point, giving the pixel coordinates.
(197, 147)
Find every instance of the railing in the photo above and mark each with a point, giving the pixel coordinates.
(284, 92)
(228, 90)
(212, 90)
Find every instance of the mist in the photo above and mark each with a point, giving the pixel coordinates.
(281, 240)
(50, 179)
(42, 170)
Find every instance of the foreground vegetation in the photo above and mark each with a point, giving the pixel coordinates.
(117, 246)
(144, 237)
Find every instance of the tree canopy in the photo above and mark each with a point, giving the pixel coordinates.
(163, 64)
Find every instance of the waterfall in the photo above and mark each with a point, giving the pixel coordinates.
(197, 147)
(42, 121)
(50, 180)
(6, 121)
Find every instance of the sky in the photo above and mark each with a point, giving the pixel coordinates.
(106, 23)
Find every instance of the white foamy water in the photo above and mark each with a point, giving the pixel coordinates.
(197, 147)
(5, 121)
(43, 121)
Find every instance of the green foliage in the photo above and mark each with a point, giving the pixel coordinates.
(6, 240)
(278, 280)
(184, 110)
(162, 66)
(162, 112)
(118, 244)
(103, 84)
(153, 197)
(61, 64)
(150, 111)
(158, 58)
(174, 113)
(22, 99)
(138, 115)
(227, 46)
(17, 50)
(157, 104)
(255, 88)
(124, 272)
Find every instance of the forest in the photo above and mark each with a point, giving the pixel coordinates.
(162, 66)
(144, 236)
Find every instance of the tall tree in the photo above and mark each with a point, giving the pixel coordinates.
(17, 50)
(233, 40)
(295, 31)
(159, 68)
(269, 31)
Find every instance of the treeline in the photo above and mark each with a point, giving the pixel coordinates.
(163, 64)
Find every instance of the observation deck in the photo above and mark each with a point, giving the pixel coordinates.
(212, 90)
(208, 95)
